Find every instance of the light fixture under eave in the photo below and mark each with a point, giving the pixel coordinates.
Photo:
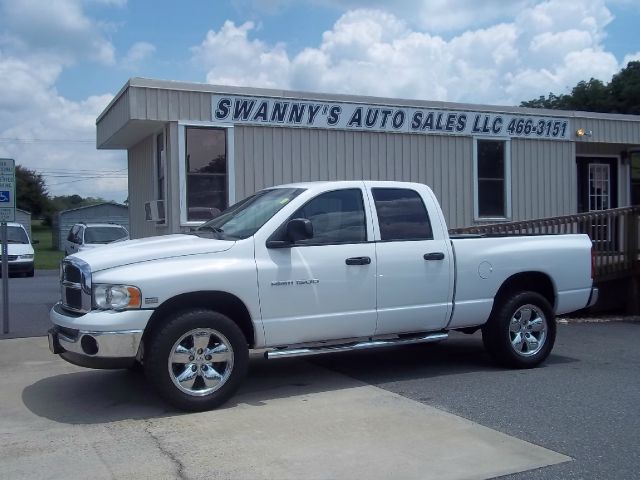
(583, 132)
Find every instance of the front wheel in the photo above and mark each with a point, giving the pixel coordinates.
(521, 331)
(197, 360)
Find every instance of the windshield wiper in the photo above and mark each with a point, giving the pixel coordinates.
(218, 232)
(211, 228)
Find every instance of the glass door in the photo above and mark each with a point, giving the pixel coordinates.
(597, 191)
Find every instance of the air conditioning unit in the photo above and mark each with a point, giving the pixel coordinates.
(154, 211)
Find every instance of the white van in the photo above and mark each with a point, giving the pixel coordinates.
(20, 250)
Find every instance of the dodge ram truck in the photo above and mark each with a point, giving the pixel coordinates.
(311, 268)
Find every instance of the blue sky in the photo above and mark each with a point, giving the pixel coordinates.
(62, 61)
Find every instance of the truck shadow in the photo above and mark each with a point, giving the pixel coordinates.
(96, 397)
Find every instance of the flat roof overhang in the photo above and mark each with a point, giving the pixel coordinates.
(143, 105)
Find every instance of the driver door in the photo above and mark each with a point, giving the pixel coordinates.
(324, 287)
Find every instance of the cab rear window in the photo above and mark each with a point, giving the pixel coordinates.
(401, 215)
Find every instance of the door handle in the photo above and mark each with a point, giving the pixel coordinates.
(358, 261)
(434, 256)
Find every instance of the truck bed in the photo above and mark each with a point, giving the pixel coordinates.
(484, 262)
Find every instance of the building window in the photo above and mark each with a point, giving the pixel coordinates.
(492, 179)
(206, 168)
(160, 166)
(635, 178)
(401, 215)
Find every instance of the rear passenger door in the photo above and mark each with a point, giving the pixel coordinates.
(414, 274)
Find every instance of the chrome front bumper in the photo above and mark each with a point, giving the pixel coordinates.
(122, 344)
(107, 350)
(98, 339)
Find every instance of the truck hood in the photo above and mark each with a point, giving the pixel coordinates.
(154, 248)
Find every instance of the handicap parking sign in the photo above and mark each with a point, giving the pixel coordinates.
(5, 196)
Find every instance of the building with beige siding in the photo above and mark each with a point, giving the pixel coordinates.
(194, 149)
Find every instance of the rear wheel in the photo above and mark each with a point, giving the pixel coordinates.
(197, 360)
(521, 331)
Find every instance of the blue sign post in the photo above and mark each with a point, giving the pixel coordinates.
(7, 214)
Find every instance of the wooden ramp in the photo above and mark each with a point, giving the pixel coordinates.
(615, 234)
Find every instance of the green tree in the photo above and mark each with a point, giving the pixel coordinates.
(625, 89)
(621, 95)
(31, 191)
(65, 202)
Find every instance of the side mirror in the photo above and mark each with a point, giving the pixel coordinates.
(35, 242)
(299, 229)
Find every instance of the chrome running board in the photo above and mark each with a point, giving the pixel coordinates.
(302, 352)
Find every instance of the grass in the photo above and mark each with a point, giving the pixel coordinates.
(47, 256)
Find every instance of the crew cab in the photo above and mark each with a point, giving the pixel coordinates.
(311, 268)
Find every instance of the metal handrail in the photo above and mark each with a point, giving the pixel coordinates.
(614, 233)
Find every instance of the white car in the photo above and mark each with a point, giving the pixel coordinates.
(19, 250)
(83, 236)
(312, 268)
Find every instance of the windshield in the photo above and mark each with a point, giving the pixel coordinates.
(16, 235)
(103, 234)
(246, 217)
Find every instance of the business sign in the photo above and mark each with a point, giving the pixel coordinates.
(383, 118)
(7, 190)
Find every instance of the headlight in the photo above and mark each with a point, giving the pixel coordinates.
(116, 297)
(28, 256)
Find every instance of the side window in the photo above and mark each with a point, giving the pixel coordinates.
(401, 214)
(337, 217)
(493, 185)
(79, 235)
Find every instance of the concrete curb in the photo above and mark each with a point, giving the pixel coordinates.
(599, 319)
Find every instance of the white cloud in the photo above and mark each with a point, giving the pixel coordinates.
(236, 55)
(40, 128)
(139, 52)
(549, 46)
(632, 57)
(59, 28)
(31, 108)
(439, 15)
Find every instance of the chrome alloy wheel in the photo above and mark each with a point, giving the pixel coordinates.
(528, 330)
(201, 362)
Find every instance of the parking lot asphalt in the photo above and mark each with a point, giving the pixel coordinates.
(292, 419)
(583, 402)
(30, 300)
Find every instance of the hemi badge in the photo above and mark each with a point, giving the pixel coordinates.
(150, 300)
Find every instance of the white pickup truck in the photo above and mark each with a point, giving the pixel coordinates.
(311, 268)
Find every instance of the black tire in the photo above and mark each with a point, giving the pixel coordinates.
(502, 343)
(31, 273)
(193, 325)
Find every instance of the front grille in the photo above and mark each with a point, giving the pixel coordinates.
(73, 298)
(72, 273)
(76, 286)
(12, 258)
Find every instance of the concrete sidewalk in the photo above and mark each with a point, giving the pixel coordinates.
(291, 420)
